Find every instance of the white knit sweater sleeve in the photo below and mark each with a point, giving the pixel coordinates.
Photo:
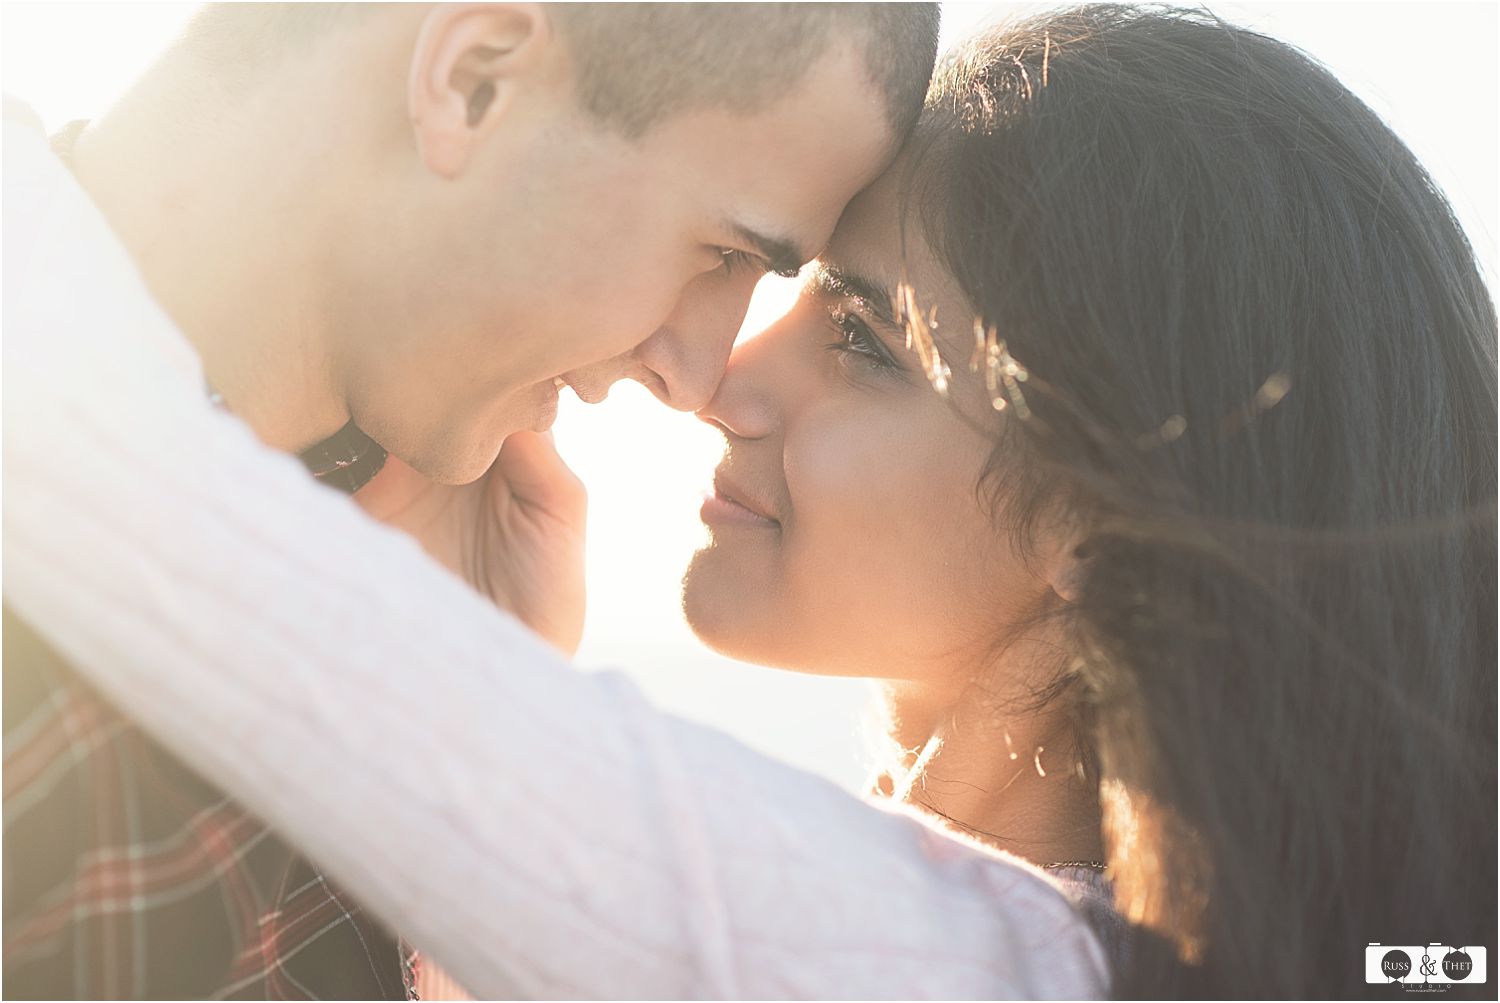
(537, 830)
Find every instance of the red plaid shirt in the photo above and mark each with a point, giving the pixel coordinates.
(129, 876)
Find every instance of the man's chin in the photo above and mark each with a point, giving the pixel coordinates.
(449, 473)
(456, 463)
(536, 414)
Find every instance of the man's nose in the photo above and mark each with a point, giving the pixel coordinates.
(689, 351)
(762, 385)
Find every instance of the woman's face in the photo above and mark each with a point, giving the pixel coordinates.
(848, 534)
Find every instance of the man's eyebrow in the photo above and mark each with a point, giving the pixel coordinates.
(831, 281)
(783, 256)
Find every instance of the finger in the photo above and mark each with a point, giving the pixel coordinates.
(535, 473)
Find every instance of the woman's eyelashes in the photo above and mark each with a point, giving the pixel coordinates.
(858, 343)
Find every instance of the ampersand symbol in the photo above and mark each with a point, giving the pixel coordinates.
(1429, 967)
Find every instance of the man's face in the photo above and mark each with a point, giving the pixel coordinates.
(563, 249)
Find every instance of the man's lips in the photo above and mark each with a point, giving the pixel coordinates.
(594, 390)
(586, 393)
(730, 504)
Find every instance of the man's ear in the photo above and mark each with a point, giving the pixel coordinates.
(469, 61)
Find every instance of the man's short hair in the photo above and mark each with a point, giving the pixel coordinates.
(639, 63)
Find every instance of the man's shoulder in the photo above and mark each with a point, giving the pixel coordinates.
(26, 143)
(33, 180)
(19, 114)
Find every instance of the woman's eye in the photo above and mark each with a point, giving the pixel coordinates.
(857, 340)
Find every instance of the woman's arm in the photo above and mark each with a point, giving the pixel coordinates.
(551, 833)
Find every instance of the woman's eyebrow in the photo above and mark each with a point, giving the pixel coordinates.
(830, 280)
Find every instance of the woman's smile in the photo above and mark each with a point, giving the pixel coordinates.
(727, 504)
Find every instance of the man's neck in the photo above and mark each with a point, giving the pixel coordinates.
(224, 230)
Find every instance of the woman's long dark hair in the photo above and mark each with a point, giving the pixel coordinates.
(1262, 372)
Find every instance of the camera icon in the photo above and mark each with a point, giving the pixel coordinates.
(1425, 963)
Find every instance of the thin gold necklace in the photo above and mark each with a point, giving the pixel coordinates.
(1093, 865)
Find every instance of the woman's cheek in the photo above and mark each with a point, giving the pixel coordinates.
(860, 557)
(845, 480)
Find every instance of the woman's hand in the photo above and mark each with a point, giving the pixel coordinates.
(516, 534)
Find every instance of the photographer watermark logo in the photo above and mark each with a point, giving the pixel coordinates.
(1430, 967)
(1457, 965)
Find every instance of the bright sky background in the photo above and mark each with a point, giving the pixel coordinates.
(1429, 68)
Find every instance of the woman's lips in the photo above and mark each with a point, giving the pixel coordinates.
(722, 506)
